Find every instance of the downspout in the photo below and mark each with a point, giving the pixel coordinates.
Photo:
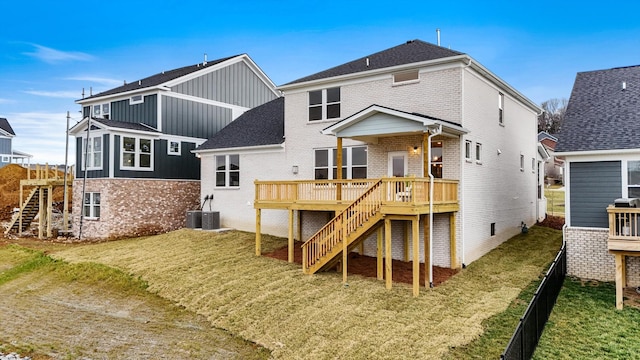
(432, 133)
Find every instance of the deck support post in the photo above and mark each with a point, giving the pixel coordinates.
(339, 168)
(427, 260)
(258, 234)
(388, 281)
(405, 235)
(290, 242)
(49, 208)
(41, 214)
(621, 278)
(20, 205)
(379, 254)
(345, 249)
(415, 237)
(299, 225)
(452, 240)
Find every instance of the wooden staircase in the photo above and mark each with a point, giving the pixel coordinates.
(29, 210)
(347, 229)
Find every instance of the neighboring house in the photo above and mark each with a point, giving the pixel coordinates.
(554, 168)
(8, 154)
(135, 143)
(391, 119)
(600, 143)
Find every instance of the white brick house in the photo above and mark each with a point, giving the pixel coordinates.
(399, 115)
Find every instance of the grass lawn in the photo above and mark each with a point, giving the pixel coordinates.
(586, 325)
(555, 201)
(274, 304)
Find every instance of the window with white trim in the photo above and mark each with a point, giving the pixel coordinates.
(521, 162)
(405, 77)
(101, 110)
(501, 108)
(136, 153)
(467, 150)
(91, 208)
(173, 147)
(533, 165)
(354, 163)
(5, 159)
(324, 104)
(633, 179)
(136, 99)
(436, 159)
(92, 153)
(227, 171)
(478, 153)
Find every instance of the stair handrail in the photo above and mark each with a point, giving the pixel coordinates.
(347, 221)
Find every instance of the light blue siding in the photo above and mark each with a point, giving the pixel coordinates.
(593, 186)
(381, 124)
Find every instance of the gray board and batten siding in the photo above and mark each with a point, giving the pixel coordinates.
(185, 166)
(235, 84)
(193, 119)
(594, 186)
(143, 113)
(5, 146)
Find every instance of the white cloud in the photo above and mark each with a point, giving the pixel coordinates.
(94, 79)
(42, 135)
(6, 101)
(53, 56)
(55, 94)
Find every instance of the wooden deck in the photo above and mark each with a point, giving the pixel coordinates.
(400, 196)
(362, 207)
(624, 240)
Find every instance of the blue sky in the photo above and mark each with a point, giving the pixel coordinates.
(51, 50)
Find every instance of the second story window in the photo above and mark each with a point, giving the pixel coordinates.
(324, 104)
(478, 153)
(92, 153)
(467, 150)
(501, 108)
(101, 110)
(137, 153)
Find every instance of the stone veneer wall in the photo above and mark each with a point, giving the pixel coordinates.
(134, 207)
(588, 257)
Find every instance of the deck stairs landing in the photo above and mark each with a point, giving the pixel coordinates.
(29, 210)
(352, 225)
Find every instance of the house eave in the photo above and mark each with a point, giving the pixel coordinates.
(597, 152)
(146, 91)
(256, 148)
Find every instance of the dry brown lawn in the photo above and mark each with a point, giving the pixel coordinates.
(298, 316)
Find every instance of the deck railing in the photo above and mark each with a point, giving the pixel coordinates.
(409, 190)
(624, 228)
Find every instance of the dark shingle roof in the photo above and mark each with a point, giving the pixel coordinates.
(262, 125)
(4, 125)
(124, 125)
(158, 79)
(600, 114)
(410, 52)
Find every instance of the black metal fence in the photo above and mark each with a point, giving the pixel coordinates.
(525, 338)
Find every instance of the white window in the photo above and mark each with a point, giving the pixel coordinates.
(633, 179)
(467, 150)
(101, 110)
(227, 171)
(173, 147)
(436, 159)
(354, 163)
(478, 153)
(405, 77)
(324, 104)
(533, 165)
(5, 159)
(500, 108)
(137, 153)
(91, 208)
(521, 162)
(92, 153)
(136, 99)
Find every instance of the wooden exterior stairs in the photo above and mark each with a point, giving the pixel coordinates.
(346, 230)
(28, 212)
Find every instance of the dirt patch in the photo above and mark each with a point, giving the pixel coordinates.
(367, 266)
(553, 222)
(47, 316)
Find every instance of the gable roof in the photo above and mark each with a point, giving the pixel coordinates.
(602, 113)
(158, 79)
(262, 125)
(6, 127)
(545, 135)
(412, 51)
(112, 125)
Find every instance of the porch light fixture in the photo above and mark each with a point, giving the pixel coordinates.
(294, 169)
(415, 150)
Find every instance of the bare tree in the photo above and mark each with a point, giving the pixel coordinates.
(552, 117)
